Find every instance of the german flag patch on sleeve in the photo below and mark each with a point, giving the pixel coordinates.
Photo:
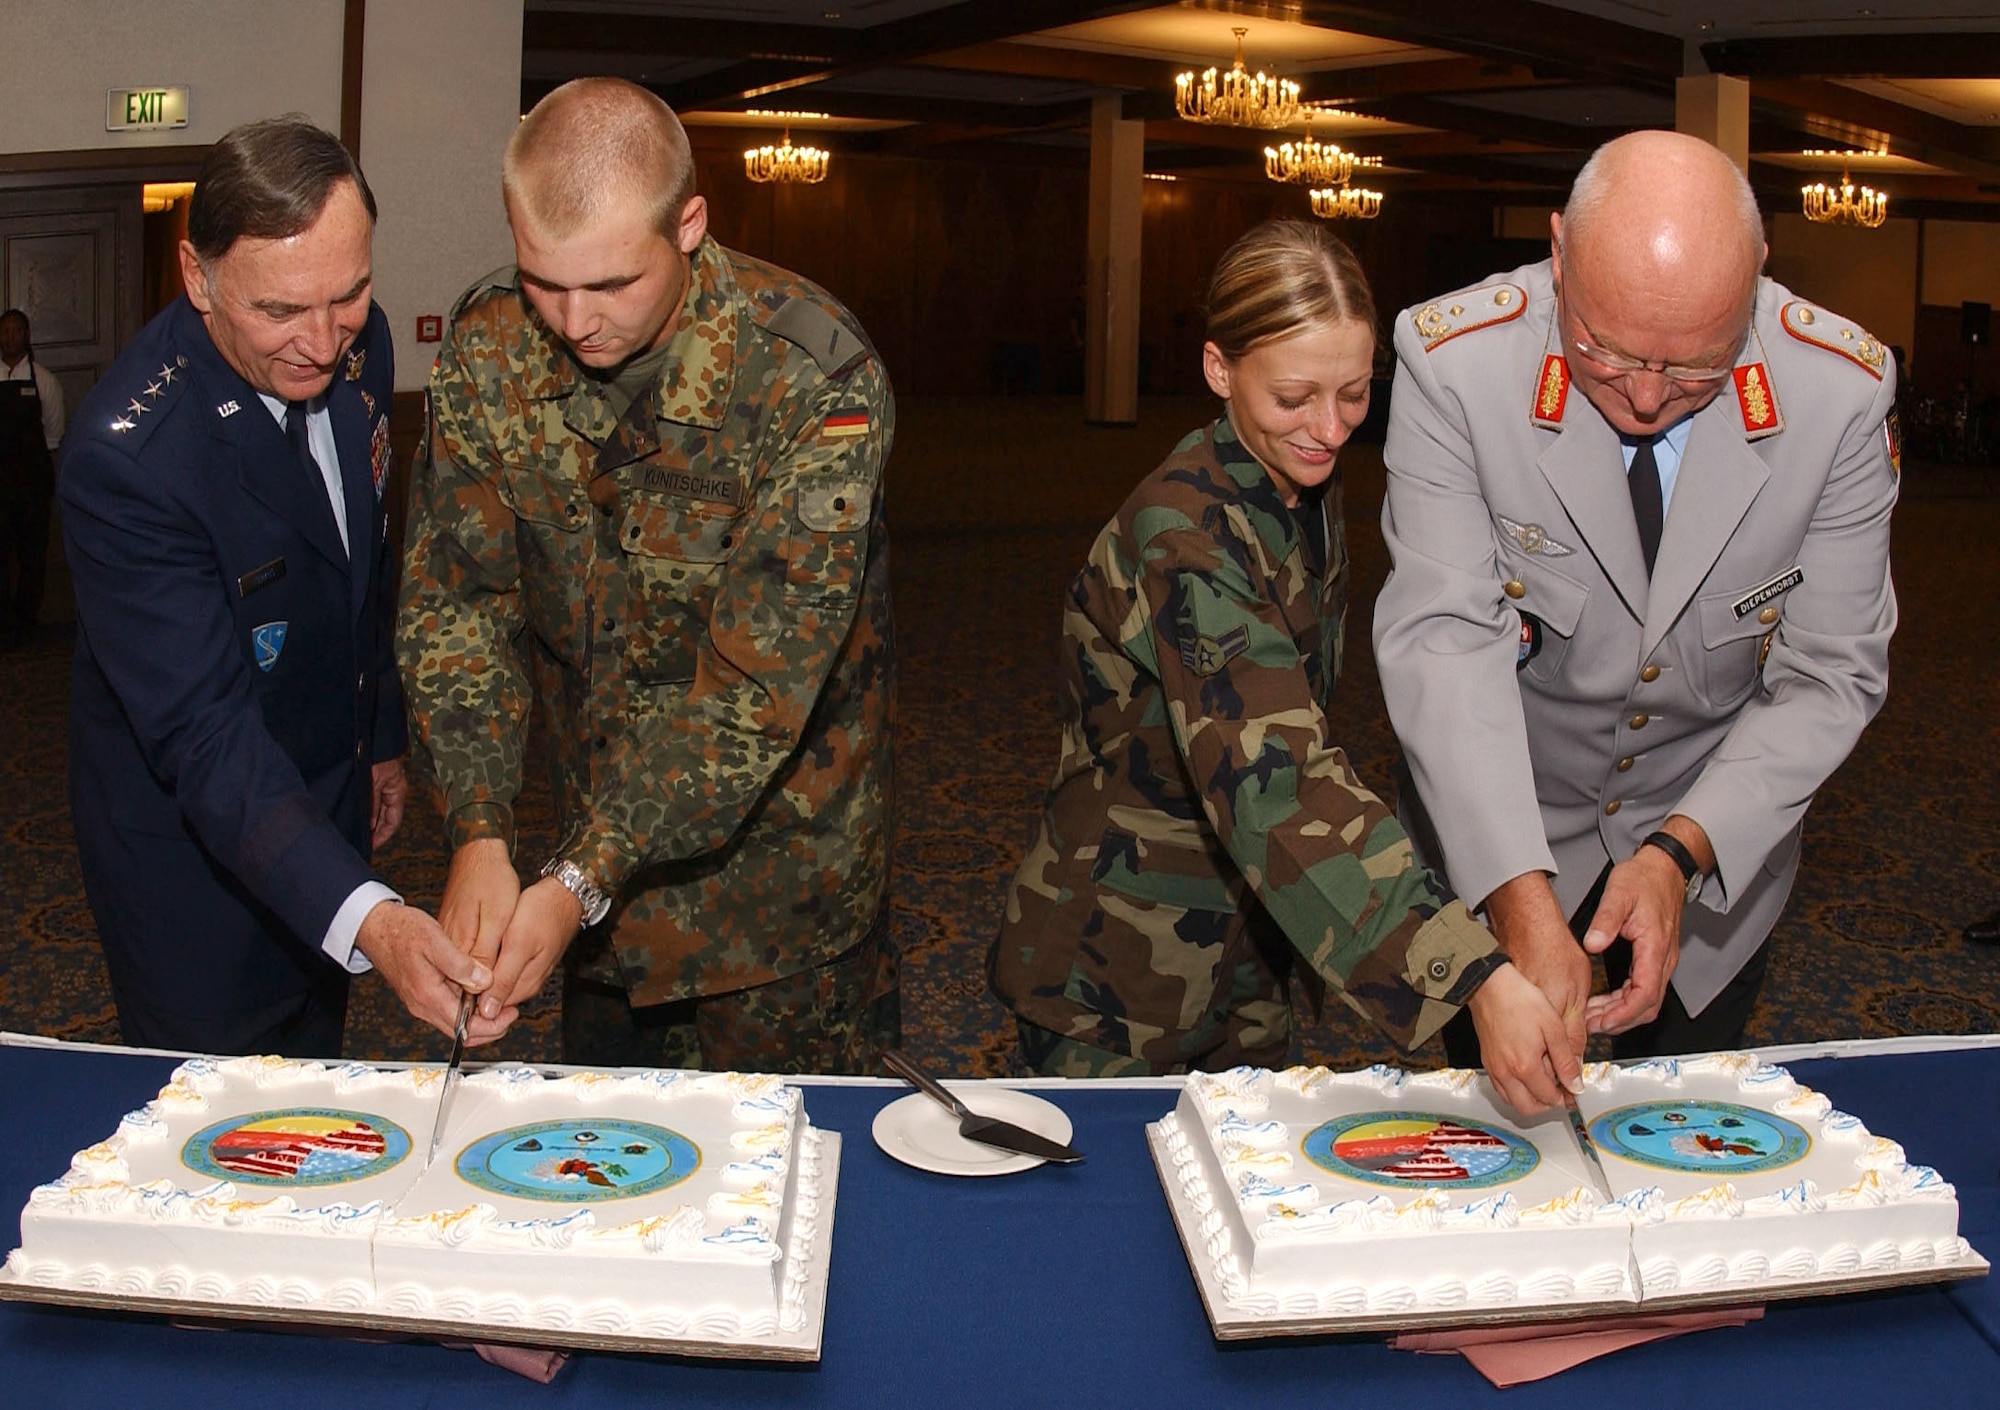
(847, 421)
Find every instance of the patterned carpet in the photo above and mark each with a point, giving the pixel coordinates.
(993, 504)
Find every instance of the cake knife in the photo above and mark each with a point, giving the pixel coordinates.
(987, 1130)
(451, 1073)
(1589, 1149)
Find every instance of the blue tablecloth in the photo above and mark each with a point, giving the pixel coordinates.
(1055, 1287)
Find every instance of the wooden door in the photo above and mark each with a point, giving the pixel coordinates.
(69, 258)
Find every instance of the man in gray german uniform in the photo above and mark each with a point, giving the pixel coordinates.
(650, 501)
(1639, 608)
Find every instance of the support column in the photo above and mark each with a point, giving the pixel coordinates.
(1716, 108)
(1111, 310)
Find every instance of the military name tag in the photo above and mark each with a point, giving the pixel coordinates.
(260, 577)
(1758, 596)
(719, 489)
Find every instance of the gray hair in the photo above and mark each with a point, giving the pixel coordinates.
(268, 180)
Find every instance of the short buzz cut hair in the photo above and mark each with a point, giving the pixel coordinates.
(592, 142)
(268, 180)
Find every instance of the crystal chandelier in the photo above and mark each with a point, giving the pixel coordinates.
(1346, 203)
(1841, 205)
(785, 163)
(1236, 98)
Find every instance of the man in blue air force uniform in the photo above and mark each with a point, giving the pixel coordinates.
(236, 727)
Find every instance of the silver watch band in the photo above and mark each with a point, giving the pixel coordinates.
(594, 899)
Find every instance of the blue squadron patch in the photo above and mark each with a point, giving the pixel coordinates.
(1205, 655)
(268, 640)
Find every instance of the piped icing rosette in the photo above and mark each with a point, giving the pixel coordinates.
(1237, 1089)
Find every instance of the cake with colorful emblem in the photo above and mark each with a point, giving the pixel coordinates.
(1307, 1195)
(647, 1204)
(1733, 1175)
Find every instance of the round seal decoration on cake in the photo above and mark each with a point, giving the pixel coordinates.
(578, 1161)
(297, 1147)
(1403, 1148)
(1701, 1137)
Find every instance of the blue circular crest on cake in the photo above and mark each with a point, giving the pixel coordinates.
(578, 1161)
(1402, 1148)
(1701, 1137)
(297, 1147)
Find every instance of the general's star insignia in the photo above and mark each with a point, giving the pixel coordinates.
(166, 374)
(137, 408)
(153, 390)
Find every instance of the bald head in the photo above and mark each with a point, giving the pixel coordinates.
(1661, 207)
(593, 146)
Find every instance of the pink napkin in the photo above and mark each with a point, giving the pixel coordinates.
(1508, 1356)
(537, 1363)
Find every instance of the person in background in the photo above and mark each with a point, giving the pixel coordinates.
(236, 727)
(1204, 839)
(651, 504)
(31, 427)
(1639, 602)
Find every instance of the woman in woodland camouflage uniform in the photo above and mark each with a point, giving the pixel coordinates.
(1204, 839)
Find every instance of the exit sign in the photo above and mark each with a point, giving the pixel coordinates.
(139, 109)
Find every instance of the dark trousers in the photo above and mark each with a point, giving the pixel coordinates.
(24, 554)
(309, 1026)
(1717, 1028)
(835, 1017)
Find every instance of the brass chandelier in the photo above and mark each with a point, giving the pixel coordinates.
(1845, 204)
(803, 165)
(1346, 203)
(1311, 162)
(1236, 98)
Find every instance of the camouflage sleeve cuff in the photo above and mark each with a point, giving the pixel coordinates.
(1451, 956)
(604, 855)
(472, 822)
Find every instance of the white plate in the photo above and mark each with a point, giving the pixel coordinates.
(919, 1132)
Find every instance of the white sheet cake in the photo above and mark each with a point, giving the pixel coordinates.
(653, 1204)
(1316, 1195)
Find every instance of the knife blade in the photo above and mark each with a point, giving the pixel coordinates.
(1589, 1148)
(987, 1130)
(451, 1074)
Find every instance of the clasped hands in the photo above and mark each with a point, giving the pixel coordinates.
(1533, 1023)
(490, 938)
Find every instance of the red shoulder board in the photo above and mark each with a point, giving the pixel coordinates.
(1551, 392)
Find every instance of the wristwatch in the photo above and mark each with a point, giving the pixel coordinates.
(1684, 859)
(594, 899)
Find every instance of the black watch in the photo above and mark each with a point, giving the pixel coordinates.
(1684, 859)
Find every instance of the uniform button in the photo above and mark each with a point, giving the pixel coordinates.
(1625, 764)
(1650, 674)
(605, 625)
(1768, 616)
(1440, 970)
(839, 502)
(603, 742)
(728, 539)
(606, 509)
(1638, 721)
(569, 511)
(361, 750)
(1613, 806)
(633, 533)
(361, 683)
(1514, 588)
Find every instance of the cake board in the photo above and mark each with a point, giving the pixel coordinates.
(1228, 1324)
(799, 1344)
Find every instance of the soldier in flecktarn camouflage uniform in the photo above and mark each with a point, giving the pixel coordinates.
(668, 536)
(1203, 836)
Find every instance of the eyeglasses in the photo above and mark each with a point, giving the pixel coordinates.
(1619, 364)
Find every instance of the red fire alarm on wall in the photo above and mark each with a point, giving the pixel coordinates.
(430, 328)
